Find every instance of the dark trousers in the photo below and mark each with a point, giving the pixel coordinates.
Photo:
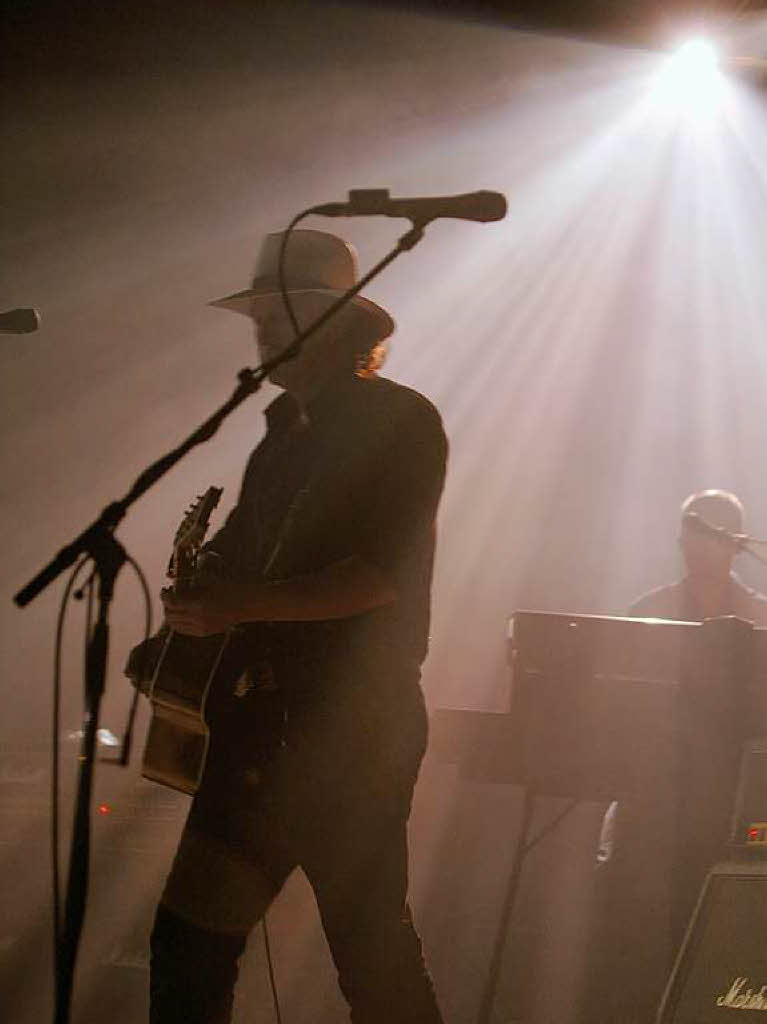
(341, 816)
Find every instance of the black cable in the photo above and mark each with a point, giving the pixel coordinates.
(406, 242)
(147, 594)
(270, 968)
(55, 726)
(88, 588)
(550, 826)
(297, 329)
(127, 740)
(281, 269)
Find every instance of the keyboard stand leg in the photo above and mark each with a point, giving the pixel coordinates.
(512, 887)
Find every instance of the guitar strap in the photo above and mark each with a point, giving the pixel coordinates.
(296, 504)
(258, 674)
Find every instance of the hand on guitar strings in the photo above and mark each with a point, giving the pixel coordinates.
(348, 587)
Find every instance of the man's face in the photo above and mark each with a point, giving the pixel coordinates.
(706, 557)
(273, 329)
(274, 333)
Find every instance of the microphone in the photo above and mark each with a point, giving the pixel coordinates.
(376, 202)
(701, 525)
(19, 321)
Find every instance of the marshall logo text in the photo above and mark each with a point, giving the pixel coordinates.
(741, 998)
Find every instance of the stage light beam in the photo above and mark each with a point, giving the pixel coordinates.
(690, 80)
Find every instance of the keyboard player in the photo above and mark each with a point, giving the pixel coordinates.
(626, 972)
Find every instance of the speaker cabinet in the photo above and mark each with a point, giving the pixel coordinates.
(721, 971)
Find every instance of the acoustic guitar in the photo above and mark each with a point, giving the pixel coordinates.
(181, 670)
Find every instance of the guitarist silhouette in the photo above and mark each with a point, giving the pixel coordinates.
(314, 748)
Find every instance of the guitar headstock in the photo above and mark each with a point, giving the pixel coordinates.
(191, 533)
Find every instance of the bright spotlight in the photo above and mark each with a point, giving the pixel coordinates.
(695, 59)
(690, 81)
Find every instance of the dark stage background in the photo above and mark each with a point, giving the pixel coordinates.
(596, 356)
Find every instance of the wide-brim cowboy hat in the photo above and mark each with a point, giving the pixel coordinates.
(316, 263)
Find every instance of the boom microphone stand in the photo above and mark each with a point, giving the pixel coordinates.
(99, 543)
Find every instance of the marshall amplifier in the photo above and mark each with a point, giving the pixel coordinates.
(721, 971)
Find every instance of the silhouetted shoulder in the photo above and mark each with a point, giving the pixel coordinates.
(401, 414)
(384, 392)
(665, 602)
(749, 603)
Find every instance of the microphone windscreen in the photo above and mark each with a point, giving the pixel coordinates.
(19, 321)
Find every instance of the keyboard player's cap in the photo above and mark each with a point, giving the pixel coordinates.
(717, 508)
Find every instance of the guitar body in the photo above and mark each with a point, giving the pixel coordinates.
(179, 673)
(179, 735)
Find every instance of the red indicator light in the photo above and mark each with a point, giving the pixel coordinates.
(104, 809)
